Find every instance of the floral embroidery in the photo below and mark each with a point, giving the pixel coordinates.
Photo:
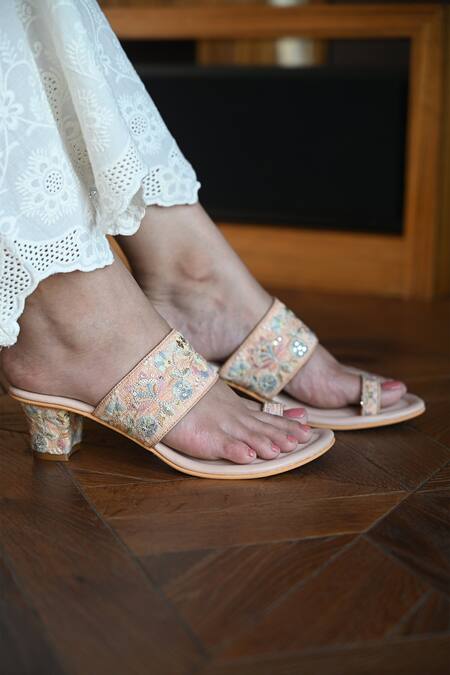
(272, 354)
(10, 110)
(144, 121)
(370, 395)
(97, 119)
(48, 186)
(53, 431)
(159, 391)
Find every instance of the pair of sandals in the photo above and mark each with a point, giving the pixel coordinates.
(152, 398)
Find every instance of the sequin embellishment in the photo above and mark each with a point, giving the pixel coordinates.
(272, 354)
(370, 395)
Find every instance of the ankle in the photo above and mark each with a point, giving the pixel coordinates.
(81, 333)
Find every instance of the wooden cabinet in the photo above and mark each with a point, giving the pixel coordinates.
(415, 264)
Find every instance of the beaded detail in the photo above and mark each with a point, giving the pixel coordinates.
(272, 354)
(158, 392)
(370, 395)
(273, 408)
(54, 432)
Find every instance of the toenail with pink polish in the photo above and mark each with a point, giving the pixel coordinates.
(295, 412)
(390, 385)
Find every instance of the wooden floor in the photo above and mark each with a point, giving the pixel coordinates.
(115, 564)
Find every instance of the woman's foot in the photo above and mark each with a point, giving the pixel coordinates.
(81, 332)
(198, 283)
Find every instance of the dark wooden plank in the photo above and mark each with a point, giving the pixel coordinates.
(109, 454)
(103, 452)
(340, 493)
(24, 648)
(11, 416)
(253, 523)
(436, 421)
(417, 532)
(407, 456)
(432, 615)
(220, 593)
(428, 656)
(360, 596)
(100, 611)
(341, 472)
(440, 481)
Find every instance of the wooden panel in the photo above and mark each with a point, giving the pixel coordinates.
(443, 253)
(423, 159)
(284, 257)
(259, 22)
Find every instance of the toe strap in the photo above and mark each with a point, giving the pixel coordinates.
(370, 394)
(273, 408)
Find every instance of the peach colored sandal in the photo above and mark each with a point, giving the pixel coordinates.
(274, 352)
(144, 406)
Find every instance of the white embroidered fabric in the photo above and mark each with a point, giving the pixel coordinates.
(83, 148)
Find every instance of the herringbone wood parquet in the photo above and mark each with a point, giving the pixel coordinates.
(114, 563)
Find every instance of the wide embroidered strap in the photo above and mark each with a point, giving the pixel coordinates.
(272, 354)
(158, 392)
(370, 394)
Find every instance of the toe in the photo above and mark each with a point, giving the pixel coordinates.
(298, 414)
(391, 392)
(288, 442)
(262, 445)
(276, 425)
(238, 452)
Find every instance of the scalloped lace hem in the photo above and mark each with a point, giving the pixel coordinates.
(24, 263)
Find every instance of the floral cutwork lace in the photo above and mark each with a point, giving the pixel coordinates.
(83, 148)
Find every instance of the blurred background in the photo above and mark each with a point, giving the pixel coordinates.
(311, 143)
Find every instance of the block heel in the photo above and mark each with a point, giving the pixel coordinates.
(53, 433)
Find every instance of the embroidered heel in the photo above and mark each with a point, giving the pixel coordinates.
(53, 433)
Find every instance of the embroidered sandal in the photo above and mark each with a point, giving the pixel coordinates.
(144, 406)
(276, 349)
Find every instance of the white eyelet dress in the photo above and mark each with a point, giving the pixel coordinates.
(83, 149)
